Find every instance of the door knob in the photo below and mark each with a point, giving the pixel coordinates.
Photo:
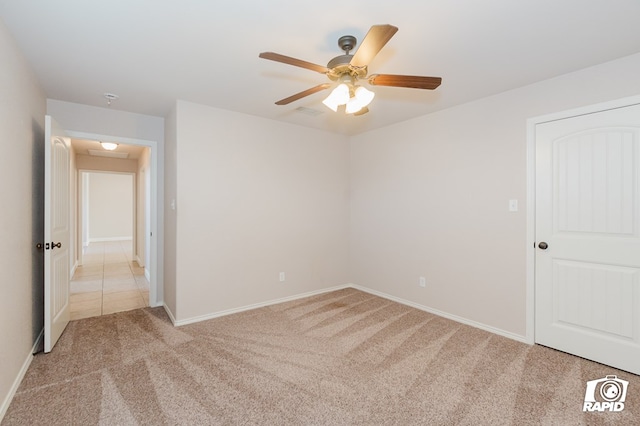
(543, 245)
(54, 245)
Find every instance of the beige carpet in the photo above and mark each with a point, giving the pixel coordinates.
(341, 358)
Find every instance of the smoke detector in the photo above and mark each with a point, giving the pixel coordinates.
(110, 97)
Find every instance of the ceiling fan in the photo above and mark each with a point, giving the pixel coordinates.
(350, 70)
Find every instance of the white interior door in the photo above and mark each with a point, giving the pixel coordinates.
(56, 233)
(587, 281)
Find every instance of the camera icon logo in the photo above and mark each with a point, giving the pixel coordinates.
(606, 394)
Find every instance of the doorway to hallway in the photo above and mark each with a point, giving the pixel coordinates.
(112, 225)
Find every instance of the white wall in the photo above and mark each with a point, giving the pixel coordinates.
(110, 206)
(255, 197)
(22, 110)
(106, 121)
(430, 197)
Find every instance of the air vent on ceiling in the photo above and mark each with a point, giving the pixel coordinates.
(309, 111)
(112, 154)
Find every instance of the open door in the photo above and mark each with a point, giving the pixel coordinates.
(56, 233)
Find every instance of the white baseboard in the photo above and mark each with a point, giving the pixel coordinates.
(109, 239)
(452, 317)
(147, 274)
(254, 306)
(38, 345)
(139, 261)
(73, 269)
(16, 383)
(170, 314)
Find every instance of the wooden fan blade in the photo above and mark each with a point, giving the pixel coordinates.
(302, 94)
(412, 81)
(373, 42)
(293, 61)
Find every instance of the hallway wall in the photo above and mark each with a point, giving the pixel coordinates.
(110, 206)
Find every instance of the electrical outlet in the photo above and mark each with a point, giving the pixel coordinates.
(281, 276)
(422, 282)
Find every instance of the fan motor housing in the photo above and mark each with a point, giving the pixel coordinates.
(339, 66)
(342, 60)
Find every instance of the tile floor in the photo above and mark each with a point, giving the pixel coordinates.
(108, 281)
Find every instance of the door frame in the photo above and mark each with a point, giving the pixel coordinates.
(155, 225)
(531, 194)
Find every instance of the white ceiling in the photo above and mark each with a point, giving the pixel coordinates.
(152, 52)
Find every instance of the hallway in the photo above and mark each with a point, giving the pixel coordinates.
(109, 281)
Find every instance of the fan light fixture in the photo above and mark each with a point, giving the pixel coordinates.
(339, 96)
(109, 146)
(354, 97)
(362, 97)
